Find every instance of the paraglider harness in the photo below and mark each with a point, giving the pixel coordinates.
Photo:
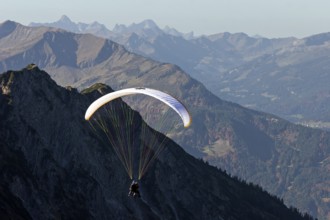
(134, 190)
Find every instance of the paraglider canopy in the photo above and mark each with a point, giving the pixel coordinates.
(164, 97)
(118, 125)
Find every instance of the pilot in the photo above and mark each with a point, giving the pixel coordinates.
(134, 189)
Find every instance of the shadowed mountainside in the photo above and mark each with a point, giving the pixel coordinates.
(53, 166)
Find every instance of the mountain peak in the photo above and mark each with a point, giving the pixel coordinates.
(172, 31)
(119, 28)
(65, 19)
(30, 75)
(148, 24)
(8, 22)
(66, 23)
(144, 25)
(32, 66)
(7, 27)
(145, 28)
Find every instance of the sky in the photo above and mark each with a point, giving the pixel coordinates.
(268, 18)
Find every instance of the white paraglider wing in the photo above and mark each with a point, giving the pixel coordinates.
(164, 97)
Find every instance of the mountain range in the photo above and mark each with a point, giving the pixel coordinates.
(284, 76)
(147, 28)
(288, 160)
(53, 166)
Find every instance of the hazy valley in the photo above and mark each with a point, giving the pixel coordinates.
(283, 76)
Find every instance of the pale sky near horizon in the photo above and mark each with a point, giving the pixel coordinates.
(269, 18)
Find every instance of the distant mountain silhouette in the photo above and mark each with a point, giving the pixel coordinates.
(147, 28)
(65, 23)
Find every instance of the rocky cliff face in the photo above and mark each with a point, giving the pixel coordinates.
(53, 166)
